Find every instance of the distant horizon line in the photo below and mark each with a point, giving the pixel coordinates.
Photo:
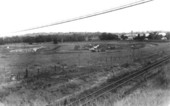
(31, 33)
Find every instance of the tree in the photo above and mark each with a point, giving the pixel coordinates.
(108, 36)
(1, 41)
(55, 40)
(29, 39)
(123, 37)
(39, 39)
(167, 35)
(154, 36)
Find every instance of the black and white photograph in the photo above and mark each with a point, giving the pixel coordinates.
(84, 53)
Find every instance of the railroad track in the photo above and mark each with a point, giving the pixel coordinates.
(114, 85)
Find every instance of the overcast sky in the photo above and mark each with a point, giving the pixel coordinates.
(16, 15)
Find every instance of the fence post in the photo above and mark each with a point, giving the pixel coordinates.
(38, 72)
(26, 73)
(106, 60)
(63, 67)
(18, 76)
(55, 68)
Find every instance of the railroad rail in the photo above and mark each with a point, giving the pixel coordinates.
(113, 85)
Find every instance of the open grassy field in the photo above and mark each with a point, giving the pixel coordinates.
(42, 74)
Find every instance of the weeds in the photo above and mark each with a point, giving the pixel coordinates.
(161, 81)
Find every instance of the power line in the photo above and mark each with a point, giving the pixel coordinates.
(90, 15)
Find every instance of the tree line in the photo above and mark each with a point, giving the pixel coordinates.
(40, 38)
(76, 37)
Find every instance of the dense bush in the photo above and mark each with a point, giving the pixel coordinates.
(168, 35)
(123, 37)
(108, 36)
(154, 36)
(1, 41)
(55, 40)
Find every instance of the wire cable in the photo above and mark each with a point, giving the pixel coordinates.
(90, 15)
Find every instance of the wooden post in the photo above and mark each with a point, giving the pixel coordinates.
(101, 60)
(18, 76)
(55, 68)
(38, 72)
(88, 62)
(79, 59)
(26, 73)
(62, 67)
(112, 61)
(106, 60)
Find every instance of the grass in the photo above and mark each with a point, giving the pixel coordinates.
(146, 98)
(154, 92)
(53, 84)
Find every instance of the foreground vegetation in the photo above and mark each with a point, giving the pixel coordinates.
(155, 92)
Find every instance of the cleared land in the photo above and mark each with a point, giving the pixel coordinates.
(42, 74)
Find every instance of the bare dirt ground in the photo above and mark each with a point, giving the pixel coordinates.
(57, 71)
